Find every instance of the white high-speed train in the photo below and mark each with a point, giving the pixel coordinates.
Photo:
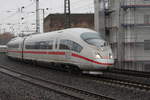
(80, 48)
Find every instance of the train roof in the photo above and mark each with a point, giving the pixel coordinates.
(79, 30)
(73, 32)
(76, 30)
(69, 31)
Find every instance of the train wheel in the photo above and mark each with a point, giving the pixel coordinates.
(34, 62)
(73, 69)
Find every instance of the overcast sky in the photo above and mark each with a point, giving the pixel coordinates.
(10, 11)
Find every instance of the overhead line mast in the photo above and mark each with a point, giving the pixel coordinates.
(67, 13)
(37, 17)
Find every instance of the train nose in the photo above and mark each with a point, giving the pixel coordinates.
(102, 64)
(105, 62)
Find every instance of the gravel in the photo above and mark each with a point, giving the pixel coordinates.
(129, 77)
(13, 89)
(119, 93)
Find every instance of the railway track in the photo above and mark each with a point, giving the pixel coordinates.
(54, 86)
(126, 83)
(130, 72)
(119, 81)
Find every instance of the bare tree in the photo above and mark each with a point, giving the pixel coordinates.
(5, 38)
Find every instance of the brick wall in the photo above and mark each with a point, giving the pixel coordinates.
(57, 21)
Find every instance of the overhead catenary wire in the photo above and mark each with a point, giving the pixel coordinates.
(74, 6)
(14, 12)
(15, 16)
(85, 6)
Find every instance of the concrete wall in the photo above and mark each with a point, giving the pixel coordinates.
(129, 26)
(136, 28)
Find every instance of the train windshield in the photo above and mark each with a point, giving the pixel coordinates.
(94, 39)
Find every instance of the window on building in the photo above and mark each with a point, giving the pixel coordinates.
(146, 19)
(146, 44)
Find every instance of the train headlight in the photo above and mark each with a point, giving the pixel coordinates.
(110, 56)
(98, 56)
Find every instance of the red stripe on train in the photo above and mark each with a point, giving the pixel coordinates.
(62, 53)
(78, 56)
(43, 52)
(56, 53)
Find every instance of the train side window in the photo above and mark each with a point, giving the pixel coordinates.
(76, 47)
(36, 45)
(64, 45)
(43, 45)
(30, 45)
(13, 45)
(56, 44)
(70, 45)
(40, 45)
(50, 44)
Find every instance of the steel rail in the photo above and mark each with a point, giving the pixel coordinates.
(130, 72)
(119, 82)
(57, 87)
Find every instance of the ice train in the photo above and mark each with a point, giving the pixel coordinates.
(74, 48)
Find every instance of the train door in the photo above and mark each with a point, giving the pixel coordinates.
(66, 47)
(50, 49)
(68, 53)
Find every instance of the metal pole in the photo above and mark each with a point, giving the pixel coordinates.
(100, 18)
(67, 13)
(37, 17)
(43, 18)
(0, 28)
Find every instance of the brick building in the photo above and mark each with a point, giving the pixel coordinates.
(57, 21)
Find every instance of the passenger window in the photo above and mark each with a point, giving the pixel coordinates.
(36, 45)
(50, 45)
(70, 45)
(13, 45)
(64, 45)
(31, 45)
(40, 45)
(76, 47)
(28, 46)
